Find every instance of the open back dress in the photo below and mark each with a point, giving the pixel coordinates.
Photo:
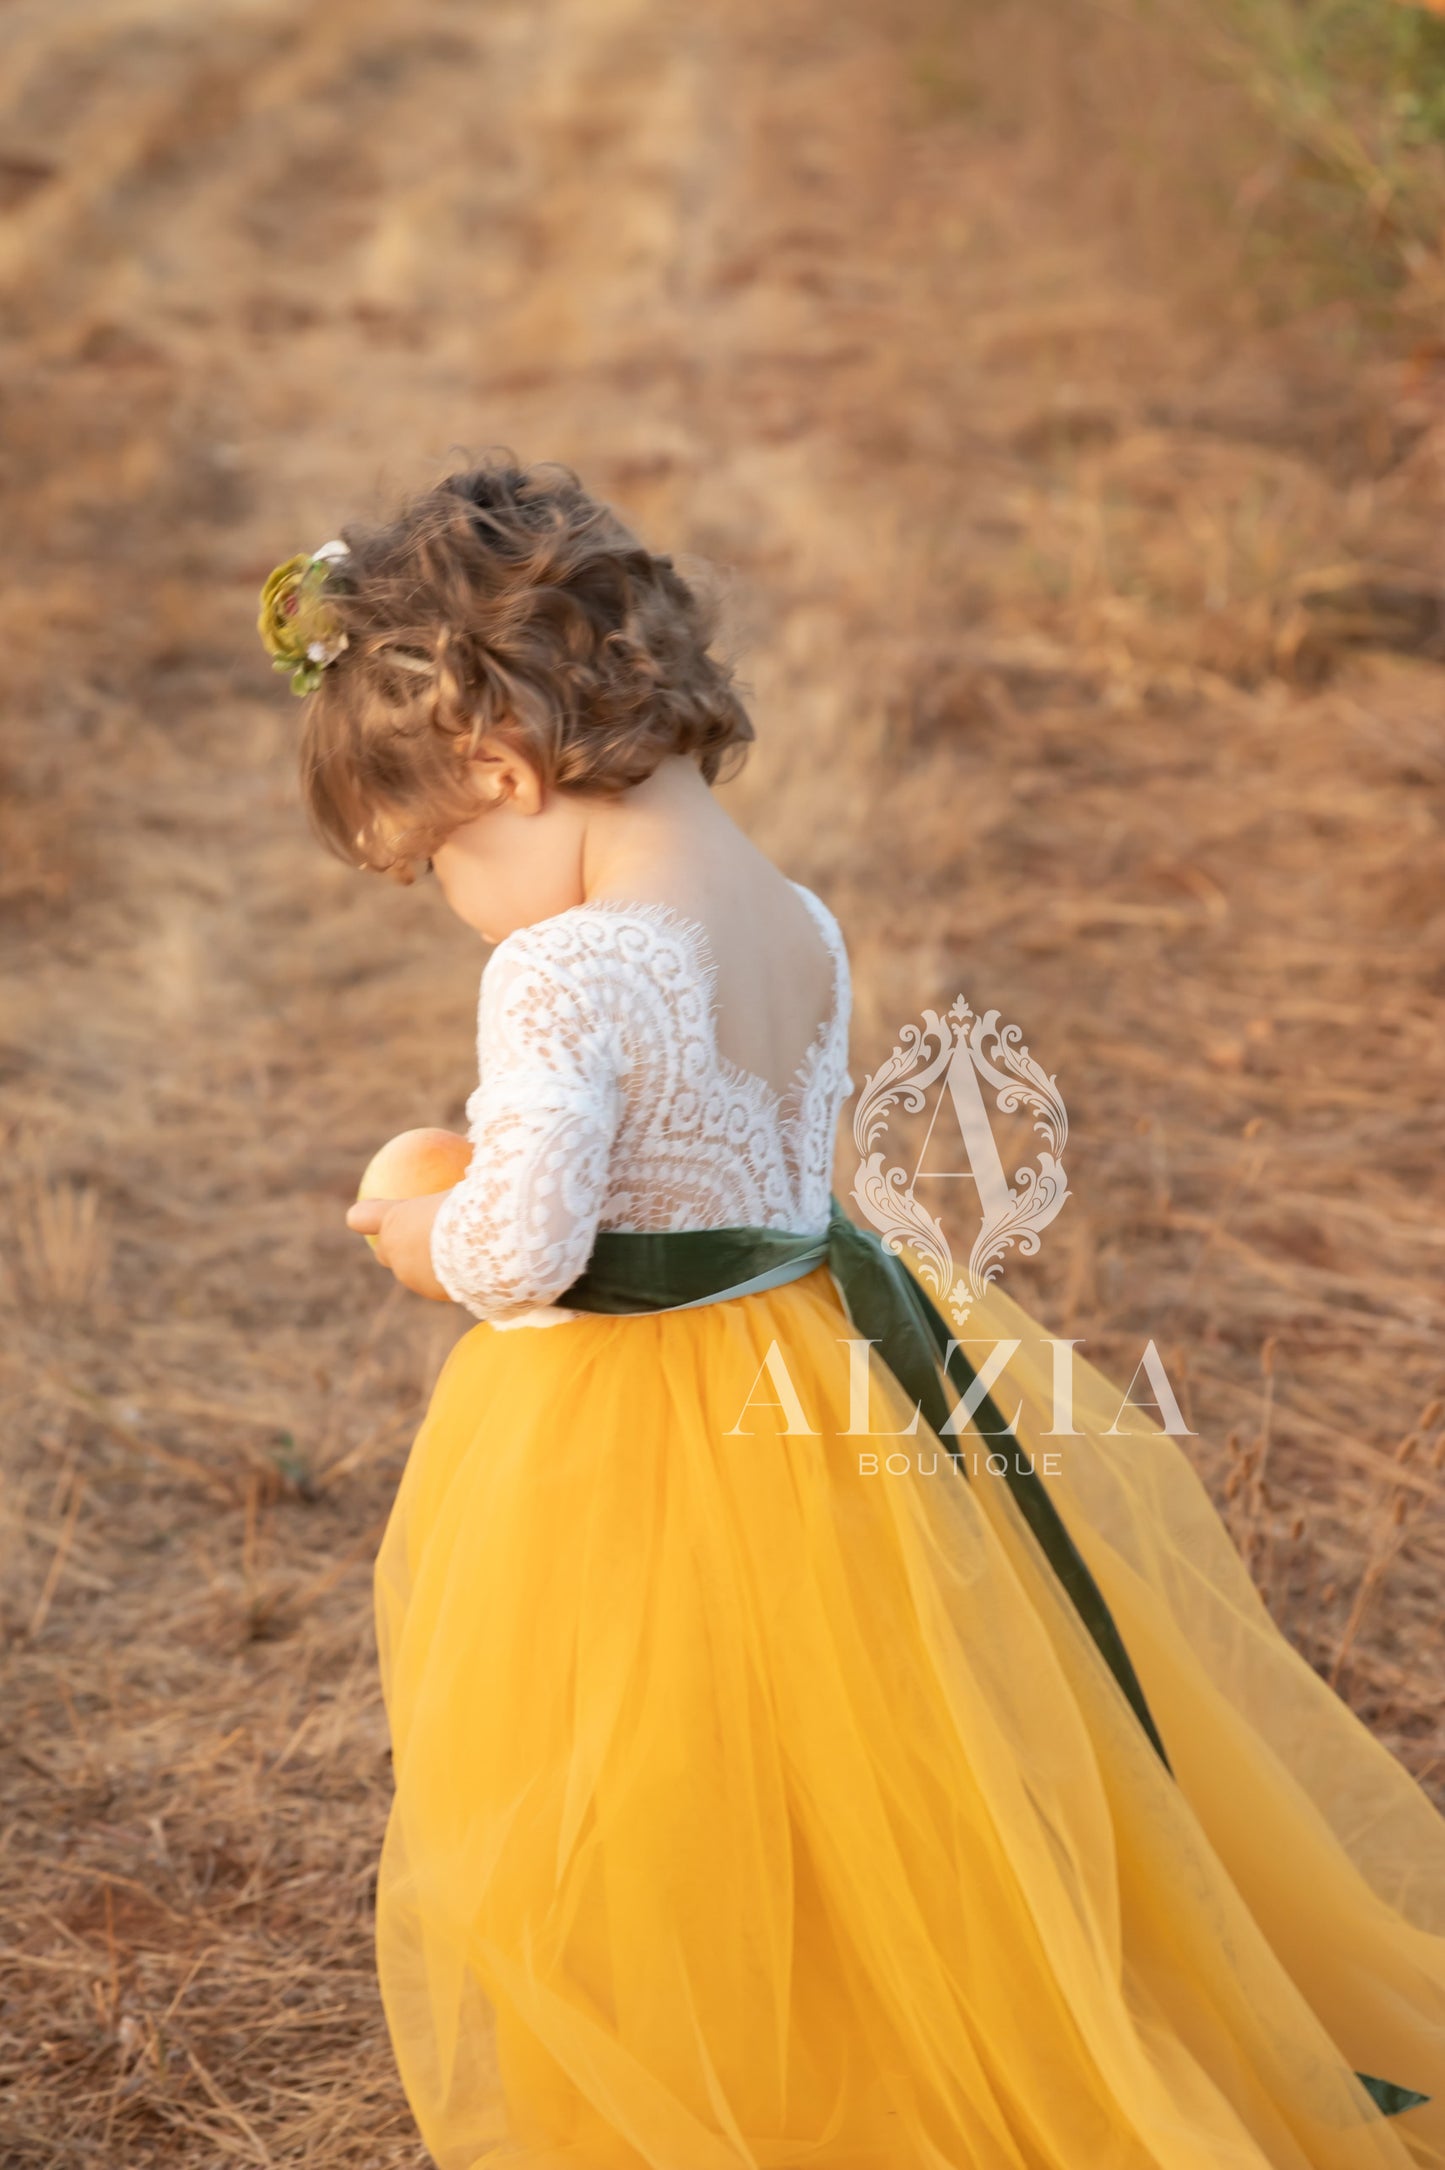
(761, 1799)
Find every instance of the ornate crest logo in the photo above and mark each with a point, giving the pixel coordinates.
(964, 1052)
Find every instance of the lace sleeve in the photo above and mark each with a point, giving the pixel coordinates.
(518, 1229)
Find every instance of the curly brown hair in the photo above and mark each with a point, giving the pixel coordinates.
(506, 601)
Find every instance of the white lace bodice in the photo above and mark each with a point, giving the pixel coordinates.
(604, 1103)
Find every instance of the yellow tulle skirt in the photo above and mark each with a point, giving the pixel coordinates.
(761, 1799)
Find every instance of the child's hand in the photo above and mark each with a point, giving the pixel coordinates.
(402, 1228)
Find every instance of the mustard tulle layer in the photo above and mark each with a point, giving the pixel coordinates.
(760, 1804)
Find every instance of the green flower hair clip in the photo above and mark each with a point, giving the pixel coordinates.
(298, 628)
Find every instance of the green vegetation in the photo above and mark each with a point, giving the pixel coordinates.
(1357, 87)
(1311, 131)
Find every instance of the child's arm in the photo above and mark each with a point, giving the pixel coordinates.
(519, 1227)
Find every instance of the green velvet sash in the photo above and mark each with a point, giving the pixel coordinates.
(677, 1270)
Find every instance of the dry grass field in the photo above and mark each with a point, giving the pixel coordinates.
(1088, 590)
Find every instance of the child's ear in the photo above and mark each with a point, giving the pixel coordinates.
(506, 777)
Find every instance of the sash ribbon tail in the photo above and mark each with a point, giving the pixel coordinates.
(887, 1305)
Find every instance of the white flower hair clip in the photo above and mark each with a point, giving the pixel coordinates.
(298, 627)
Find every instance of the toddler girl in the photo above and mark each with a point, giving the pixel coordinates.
(755, 1806)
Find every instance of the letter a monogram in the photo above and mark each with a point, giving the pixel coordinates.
(960, 1053)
